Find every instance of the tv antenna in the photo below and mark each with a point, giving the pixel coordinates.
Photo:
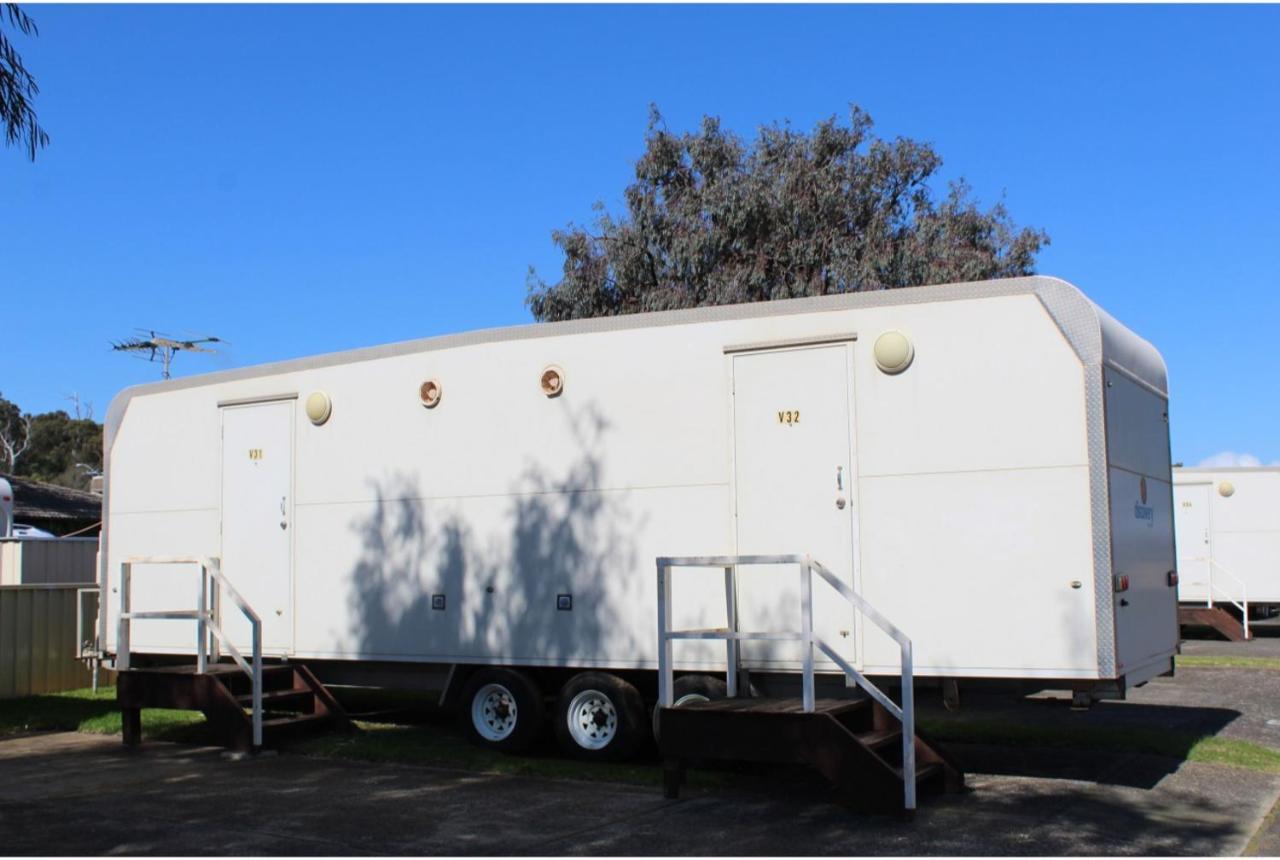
(151, 345)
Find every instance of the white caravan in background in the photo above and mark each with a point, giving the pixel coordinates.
(1228, 530)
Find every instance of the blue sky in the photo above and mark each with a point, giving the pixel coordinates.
(303, 179)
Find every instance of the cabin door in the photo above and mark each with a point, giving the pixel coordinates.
(794, 491)
(1192, 535)
(257, 521)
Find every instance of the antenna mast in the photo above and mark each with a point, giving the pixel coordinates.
(163, 347)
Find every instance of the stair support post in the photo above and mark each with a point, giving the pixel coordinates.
(731, 621)
(122, 623)
(257, 684)
(908, 730)
(806, 630)
(666, 695)
(202, 622)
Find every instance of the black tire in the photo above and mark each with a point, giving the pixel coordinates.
(697, 688)
(599, 717)
(501, 709)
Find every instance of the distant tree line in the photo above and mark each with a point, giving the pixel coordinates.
(53, 446)
(712, 219)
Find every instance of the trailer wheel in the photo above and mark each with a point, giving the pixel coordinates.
(501, 709)
(692, 688)
(599, 717)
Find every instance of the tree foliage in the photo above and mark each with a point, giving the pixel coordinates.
(18, 87)
(59, 449)
(713, 220)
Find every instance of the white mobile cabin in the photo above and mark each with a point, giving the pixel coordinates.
(1000, 490)
(1228, 532)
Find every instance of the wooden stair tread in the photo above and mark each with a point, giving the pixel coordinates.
(875, 740)
(300, 719)
(269, 696)
(923, 771)
(774, 706)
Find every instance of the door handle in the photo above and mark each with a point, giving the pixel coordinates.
(840, 478)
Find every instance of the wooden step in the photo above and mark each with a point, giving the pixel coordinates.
(923, 771)
(878, 740)
(223, 696)
(861, 758)
(1215, 618)
(280, 699)
(778, 706)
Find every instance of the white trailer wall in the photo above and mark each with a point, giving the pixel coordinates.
(1232, 517)
(981, 504)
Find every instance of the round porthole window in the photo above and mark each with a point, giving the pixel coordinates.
(429, 393)
(552, 381)
(893, 352)
(319, 407)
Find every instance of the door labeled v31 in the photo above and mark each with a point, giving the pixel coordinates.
(795, 492)
(257, 521)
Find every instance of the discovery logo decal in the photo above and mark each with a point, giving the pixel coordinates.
(1140, 509)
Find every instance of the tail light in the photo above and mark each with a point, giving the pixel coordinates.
(1173, 578)
(1122, 583)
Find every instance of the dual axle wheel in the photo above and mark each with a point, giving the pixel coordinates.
(597, 716)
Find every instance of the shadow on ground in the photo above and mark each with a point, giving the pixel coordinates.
(1041, 736)
(184, 800)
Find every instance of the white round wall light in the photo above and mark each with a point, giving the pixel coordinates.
(552, 381)
(430, 393)
(319, 407)
(1226, 489)
(893, 352)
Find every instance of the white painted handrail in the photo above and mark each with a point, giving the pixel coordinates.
(1241, 598)
(208, 618)
(806, 636)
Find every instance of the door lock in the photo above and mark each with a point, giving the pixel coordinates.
(840, 503)
(283, 524)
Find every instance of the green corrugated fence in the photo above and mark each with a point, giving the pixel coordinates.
(38, 639)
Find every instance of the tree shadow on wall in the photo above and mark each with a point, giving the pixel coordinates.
(487, 576)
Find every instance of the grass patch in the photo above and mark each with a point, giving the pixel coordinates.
(438, 742)
(95, 713)
(1191, 661)
(1187, 747)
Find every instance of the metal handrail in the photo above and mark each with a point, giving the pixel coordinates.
(1242, 604)
(207, 616)
(808, 639)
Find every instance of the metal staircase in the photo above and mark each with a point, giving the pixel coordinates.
(867, 746)
(246, 702)
(1221, 587)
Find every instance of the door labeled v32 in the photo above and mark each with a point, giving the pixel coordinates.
(257, 521)
(795, 492)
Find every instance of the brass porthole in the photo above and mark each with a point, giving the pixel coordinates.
(552, 381)
(429, 392)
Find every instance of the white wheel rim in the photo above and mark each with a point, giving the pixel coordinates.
(683, 700)
(593, 720)
(494, 713)
(689, 697)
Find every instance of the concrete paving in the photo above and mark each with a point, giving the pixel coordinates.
(86, 794)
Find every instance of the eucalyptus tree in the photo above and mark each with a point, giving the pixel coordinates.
(17, 85)
(713, 219)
